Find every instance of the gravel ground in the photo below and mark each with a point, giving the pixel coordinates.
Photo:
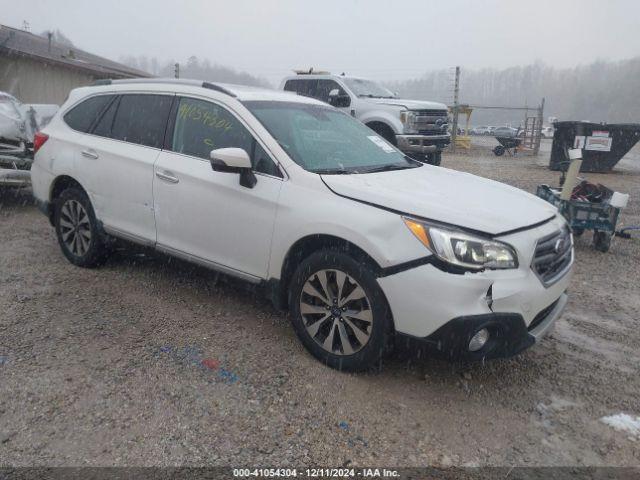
(150, 361)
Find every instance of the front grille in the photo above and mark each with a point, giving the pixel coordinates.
(553, 256)
(431, 113)
(434, 131)
(540, 317)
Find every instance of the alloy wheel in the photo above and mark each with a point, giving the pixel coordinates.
(75, 227)
(336, 312)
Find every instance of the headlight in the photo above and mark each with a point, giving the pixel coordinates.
(462, 249)
(408, 119)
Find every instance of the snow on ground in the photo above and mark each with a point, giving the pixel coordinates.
(624, 423)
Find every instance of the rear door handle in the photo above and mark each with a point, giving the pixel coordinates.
(90, 154)
(167, 177)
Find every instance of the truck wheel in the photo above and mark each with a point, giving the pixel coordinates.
(77, 229)
(601, 241)
(384, 131)
(339, 312)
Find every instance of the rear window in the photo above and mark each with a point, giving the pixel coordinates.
(82, 116)
(142, 119)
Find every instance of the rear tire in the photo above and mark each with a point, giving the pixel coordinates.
(339, 312)
(79, 235)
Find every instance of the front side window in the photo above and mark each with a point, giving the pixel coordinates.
(325, 87)
(202, 126)
(82, 116)
(322, 139)
(142, 119)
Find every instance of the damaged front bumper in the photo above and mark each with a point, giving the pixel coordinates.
(508, 334)
(15, 164)
(444, 310)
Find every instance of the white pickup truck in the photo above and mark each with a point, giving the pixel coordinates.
(418, 128)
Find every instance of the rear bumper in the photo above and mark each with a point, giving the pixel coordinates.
(509, 334)
(422, 143)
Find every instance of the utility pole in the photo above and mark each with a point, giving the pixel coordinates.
(176, 70)
(456, 92)
(538, 131)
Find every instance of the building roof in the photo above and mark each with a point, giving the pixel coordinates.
(15, 42)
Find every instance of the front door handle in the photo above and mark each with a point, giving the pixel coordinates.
(90, 154)
(167, 177)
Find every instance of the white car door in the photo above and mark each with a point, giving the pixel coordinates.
(117, 157)
(207, 216)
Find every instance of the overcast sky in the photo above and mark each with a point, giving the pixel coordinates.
(375, 38)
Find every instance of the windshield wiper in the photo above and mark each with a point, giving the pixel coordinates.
(331, 171)
(388, 168)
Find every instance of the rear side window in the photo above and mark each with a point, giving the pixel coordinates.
(307, 87)
(142, 119)
(105, 121)
(82, 116)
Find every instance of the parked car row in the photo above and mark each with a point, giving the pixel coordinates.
(358, 241)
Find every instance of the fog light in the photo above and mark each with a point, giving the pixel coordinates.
(479, 340)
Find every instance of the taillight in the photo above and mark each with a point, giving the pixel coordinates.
(38, 140)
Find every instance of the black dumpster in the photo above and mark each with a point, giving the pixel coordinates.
(603, 145)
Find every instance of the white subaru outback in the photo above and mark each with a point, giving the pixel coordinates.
(360, 242)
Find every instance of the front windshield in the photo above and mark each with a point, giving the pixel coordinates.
(367, 88)
(324, 140)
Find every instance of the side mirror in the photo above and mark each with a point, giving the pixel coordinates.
(338, 100)
(234, 160)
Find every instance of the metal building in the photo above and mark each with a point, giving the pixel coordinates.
(36, 69)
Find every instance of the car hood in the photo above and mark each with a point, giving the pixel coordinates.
(446, 196)
(410, 104)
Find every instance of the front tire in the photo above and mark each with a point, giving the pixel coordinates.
(77, 229)
(339, 311)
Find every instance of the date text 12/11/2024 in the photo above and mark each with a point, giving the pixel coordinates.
(316, 472)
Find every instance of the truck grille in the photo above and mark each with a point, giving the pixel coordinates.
(431, 113)
(431, 122)
(553, 256)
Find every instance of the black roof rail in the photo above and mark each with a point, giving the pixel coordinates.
(218, 88)
(179, 81)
